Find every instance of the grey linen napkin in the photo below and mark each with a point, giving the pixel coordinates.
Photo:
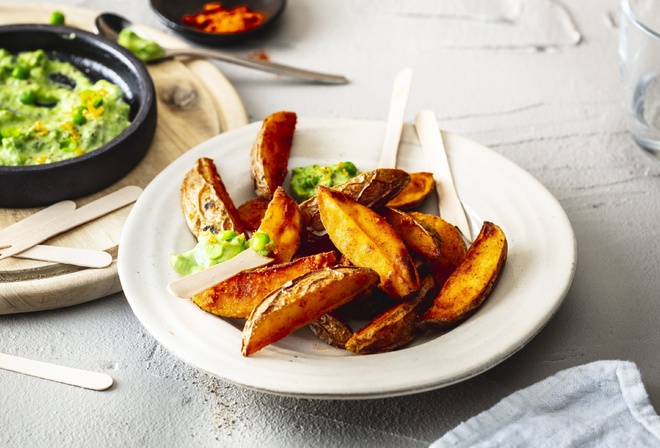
(601, 404)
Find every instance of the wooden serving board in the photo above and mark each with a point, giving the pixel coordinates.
(195, 102)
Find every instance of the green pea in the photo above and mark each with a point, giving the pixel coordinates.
(214, 251)
(226, 235)
(27, 97)
(78, 117)
(259, 241)
(36, 59)
(19, 72)
(350, 168)
(67, 145)
(98, 102)
(10, 132)
(57, 18)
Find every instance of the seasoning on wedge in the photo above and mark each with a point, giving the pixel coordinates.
(252, 213)
(240, 294)
(301, 302)
(332, 330)
(468, 286)
(421, 185)
(372, 189)
(366, 239)
(420, 239)
(205, 201)
(270, 153)
(393, 328)
(453, 246)
(283, 224)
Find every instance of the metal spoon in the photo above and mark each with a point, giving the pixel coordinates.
(109, 25)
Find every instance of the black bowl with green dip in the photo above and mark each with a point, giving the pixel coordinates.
(46, 179)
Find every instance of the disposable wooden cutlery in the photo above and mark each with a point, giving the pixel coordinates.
(21, 238)
(395, 116)
(430, 138)
(54, 372)
(197, 282)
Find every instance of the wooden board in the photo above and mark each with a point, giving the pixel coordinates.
(195, 102)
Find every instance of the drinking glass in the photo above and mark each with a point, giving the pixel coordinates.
(639, 60)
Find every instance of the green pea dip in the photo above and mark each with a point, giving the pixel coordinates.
(212, 249)
(50, 111)
(305, 180)
(144, 49)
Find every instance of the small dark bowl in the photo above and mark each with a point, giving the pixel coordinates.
(171, 13)
(37, 185)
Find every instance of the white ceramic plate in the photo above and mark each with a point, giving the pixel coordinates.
(537, 275)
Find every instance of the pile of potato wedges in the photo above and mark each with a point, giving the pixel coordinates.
(355, 252)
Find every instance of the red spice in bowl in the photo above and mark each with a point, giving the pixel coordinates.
(172, 13)
(215, 18)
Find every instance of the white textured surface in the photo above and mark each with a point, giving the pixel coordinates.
(537, 81)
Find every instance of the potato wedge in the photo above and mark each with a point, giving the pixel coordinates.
(332, 330)
(453, 246)
(372, 189)
(471, 282)
(283, 224)
(301, 302)
(239, 295)
(367, 240)
(392, 328)
(270, 153)
(252, 213)
(420, 187)
(420, 239)
(205, 201)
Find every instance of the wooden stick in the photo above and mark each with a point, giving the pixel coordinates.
(192, 284)
(397, 111)
(36, 219)
(59, 224)
(430, 138)
(54, 372)
(87, 258)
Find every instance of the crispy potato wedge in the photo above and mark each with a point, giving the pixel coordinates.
(239, 295)
(471, 282)
(392, 328)
(252, 213)
(283, 224)
(205, 202)
(270, 153)
(420, 239)
(301, 302)
(372, 189)
(332, 330)
(453, 246)
(367, 240)
(421, 185)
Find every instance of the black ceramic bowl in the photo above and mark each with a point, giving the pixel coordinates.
(171, 13)
(37, 185)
